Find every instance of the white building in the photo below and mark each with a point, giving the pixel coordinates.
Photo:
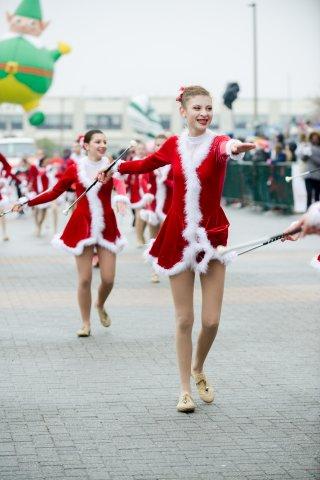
(67, 117)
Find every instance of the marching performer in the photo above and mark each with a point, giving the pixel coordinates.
(195, 225)
(159, 184)
(92, 223)
(4, 202)
(6, 176)
(42, 184)
(138, 197)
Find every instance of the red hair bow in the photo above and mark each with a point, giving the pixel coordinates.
(179, 97)
(80, 139)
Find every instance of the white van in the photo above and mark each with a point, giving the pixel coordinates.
(14, 148)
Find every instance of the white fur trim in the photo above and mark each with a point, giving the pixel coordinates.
(161, 191)
(177, 268)
(315, 263)
(119, 198)
(229, 146)
(195, 235)
(147, 198)
(313, 215)
(115, 247)
(150, 217)
(115, 171)
(97, 219)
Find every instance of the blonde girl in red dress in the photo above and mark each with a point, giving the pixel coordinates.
(193, 229)
(92, 224)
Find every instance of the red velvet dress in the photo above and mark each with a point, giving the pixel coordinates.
(148, 184)
(93, 221)
(41, 184)
(195, 224)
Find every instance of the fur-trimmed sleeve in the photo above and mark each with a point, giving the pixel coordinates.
(151, 162)
(64, 184)
(225, 148)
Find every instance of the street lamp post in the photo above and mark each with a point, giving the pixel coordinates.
(255, 63)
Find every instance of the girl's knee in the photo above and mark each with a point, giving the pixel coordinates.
(210, 323)
(107, 283)
(85, 283)
(184, 322)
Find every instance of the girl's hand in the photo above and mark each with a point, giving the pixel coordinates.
(242, 147)
(121, 208)
(104, 177)
(296, 236)
(16, 207)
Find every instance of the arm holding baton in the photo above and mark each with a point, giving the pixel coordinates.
(105, 171)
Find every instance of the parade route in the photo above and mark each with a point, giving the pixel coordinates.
(104, 407)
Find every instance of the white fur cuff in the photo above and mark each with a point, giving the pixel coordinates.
(313, 215)
(230, 143)
(115, 170)
(23, 200)
(119, 198)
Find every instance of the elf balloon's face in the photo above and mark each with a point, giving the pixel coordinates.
(25, 25)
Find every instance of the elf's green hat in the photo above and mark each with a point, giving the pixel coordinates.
(30, 9)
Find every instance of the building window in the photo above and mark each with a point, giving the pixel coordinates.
(165, 121)
(56, 122)
(11, 122)
(108, 122)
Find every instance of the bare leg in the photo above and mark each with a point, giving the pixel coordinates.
(212, 284)
(36, 219)
(107, 263)
(182, 291)
(140, 226)
(54, 209)
(40, 215)
(4, 227)
(84, 267)
(154, 230)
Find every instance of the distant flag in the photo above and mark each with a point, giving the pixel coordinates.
(143, 118)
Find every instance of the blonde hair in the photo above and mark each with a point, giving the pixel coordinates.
(192, 91)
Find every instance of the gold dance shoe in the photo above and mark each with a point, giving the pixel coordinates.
(104, 317)
(205, 390)
(186, 404)
(84, 332)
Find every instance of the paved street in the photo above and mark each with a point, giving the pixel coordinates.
(103, 408)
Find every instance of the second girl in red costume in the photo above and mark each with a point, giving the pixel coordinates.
(92, 223)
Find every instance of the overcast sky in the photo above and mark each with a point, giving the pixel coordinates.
(128, 47)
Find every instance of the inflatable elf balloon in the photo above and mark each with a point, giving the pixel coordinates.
(26, 67)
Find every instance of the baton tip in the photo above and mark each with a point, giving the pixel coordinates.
(288, 179)
(65, 212)
(133, 143)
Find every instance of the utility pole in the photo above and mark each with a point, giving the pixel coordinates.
(255, 63)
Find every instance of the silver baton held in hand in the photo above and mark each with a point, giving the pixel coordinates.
(253, 245)
(133, 143)
(10, 211)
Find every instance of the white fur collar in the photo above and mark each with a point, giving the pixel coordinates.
(83, 176)
(193, 155)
